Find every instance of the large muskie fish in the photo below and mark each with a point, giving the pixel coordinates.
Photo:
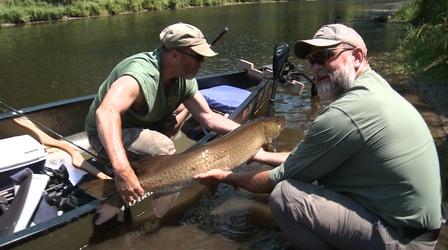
(167, 174)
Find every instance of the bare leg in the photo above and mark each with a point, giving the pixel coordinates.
(180, 115)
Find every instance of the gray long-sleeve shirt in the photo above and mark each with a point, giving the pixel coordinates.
(373, 146)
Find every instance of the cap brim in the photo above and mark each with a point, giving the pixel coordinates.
(204, 50)
(302, 48)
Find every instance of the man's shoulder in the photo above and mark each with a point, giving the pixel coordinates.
(143, 61)
(373, 82)
(334, 115)
(143, 67)
(369, 89)
(352, 99)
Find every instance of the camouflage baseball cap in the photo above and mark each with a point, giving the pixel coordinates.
(330, 35)
(180, 35)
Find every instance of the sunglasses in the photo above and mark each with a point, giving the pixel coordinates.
(195, 56)
(322, 56)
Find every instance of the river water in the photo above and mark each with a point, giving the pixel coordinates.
(48, 62)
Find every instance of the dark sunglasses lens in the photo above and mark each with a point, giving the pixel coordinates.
(320, 57)
(323, 56)
(195, 56)
(310, 59)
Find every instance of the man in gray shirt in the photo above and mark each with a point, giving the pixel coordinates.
(370, 152)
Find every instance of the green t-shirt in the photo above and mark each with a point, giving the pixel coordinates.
(373, 146)
(144, 67)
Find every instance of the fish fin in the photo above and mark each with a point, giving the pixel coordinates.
(99, 188)
(163, 203)
(108, 209)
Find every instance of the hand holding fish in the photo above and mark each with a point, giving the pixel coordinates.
(128, 185)
(212, 177)
(254, 181)
(269, 158)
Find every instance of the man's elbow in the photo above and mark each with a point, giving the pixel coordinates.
(99, 114)
(207, 122)
(102, 114)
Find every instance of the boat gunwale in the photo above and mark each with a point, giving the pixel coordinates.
(78, 99)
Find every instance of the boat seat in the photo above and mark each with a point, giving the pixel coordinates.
(225, 98)
(222, 99)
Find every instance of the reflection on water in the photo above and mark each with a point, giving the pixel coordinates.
(48, 62)
(184, 237)
(238, 216)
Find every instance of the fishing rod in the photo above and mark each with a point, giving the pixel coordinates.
(59, 136)
(220, 35)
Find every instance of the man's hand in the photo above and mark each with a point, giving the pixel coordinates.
(212, 177)
(127, 185)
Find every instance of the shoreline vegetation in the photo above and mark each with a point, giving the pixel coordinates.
(424, 49)
(13, 12)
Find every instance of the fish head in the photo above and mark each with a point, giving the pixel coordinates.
(273, 126)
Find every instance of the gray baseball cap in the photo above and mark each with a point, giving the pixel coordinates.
(330, 35)
(180, 35)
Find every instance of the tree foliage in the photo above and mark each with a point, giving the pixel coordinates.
(425, 47)
(22, 11)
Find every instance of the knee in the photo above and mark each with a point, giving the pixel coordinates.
(290, 199)
(149, 142)
(275, 199)
(167, 148)
(164, 145)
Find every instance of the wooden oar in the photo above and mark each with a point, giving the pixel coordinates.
(77, 159)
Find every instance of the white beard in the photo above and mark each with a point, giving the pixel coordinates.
(339, 81)
(190, 77)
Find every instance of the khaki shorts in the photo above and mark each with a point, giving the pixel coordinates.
(138, 142)
(313, 217)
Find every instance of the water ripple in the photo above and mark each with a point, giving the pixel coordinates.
(236, 215)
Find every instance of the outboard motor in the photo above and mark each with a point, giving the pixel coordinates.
(286, 71)
(281, 52)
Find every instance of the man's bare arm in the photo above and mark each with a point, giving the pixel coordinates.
(256, 182)
(200, 110)
(270, 158)
(123, 93)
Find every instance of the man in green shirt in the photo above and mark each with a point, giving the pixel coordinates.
(369, 151)
(145, 91)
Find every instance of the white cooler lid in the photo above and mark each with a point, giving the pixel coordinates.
(19, 151)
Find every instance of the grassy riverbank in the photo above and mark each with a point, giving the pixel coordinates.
(425, 47)
(25, 11)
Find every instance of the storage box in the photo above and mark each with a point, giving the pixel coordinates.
(17, 153)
